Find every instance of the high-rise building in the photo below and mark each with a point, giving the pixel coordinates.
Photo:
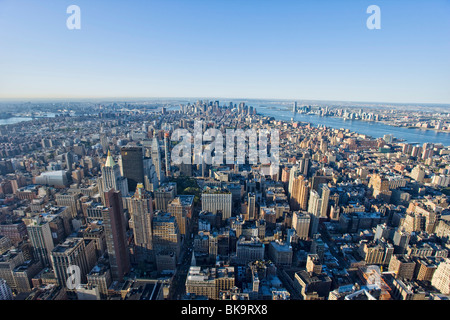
(251, 206)
(9, 260)
(441, 277)
(156, 158)
(100, 276)
(115, 231)
(150, 177)
(401, 240)
(41, 239)
(215, 200)
(324, 192)
(301, 223)
(164, 194)
(418, 174)
(5, 291)
(166, 234)
(72, 252)
(299, 194)
(314, 208)
(182, 208)
(167, 153)
(314, 264)
(403, 266)
(112, 178)
(141, 211)
(132, 166)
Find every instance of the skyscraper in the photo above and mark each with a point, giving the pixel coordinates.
(41, 239)
(314, 208)
(112, 178)
(167, 153)
(251, 206)
(301, 222)
(141, 211)
(299, 193)
(324, 193)
(132, 166)
(181, 208)
(71, 252)
(166, 234)
(115, 231)
(164, 194)
(156, 157)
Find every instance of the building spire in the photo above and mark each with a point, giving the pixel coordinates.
(109, 160)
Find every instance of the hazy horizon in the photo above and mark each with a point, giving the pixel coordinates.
(285, 50)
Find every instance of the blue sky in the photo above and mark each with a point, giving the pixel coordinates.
(226, 49)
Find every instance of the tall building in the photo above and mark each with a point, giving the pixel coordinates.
(141, 211)
(418, 174)
(403, 266)
(380, 186)
(72, 252)
(215, 200)
(150, 177)
(182, 208)
(251, 206)
(100, 276)
(156, 158)
(164, 194)
(299, 194)
(112, 178)
(324, 193)
(301, 223)
(132, 166)
(9, 260)
(5, 291)
(41, 239)
(167, 153)
(314, 208)
(441, 277)
(166, 234)
(115, 231)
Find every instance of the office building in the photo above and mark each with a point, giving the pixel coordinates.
(209, 282)
(111, 177)
(41, 239)
(182, 208)
(301, 222)
(166, 234)
(217, 200)
(132, 166)
(73, 252)
(315, 209)
(141, 211)
(441, 278)
(156, 158)
(164, 194)
(115, 232)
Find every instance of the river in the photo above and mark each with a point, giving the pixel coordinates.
(371, 128)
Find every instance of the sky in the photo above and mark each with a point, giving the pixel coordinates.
(256, 49)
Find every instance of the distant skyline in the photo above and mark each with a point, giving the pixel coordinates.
(228, 49)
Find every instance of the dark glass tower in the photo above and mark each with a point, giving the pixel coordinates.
(133, 166)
